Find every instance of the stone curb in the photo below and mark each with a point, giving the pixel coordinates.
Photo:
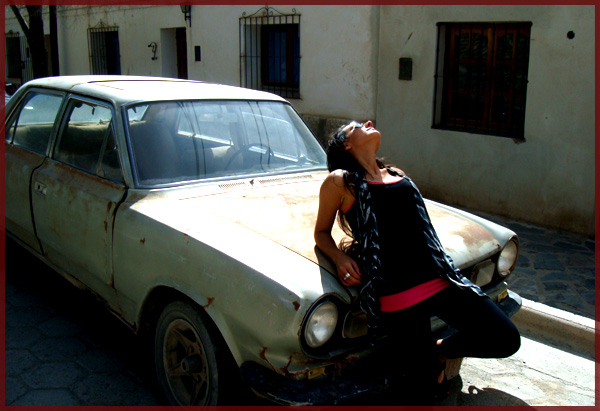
(561, 329)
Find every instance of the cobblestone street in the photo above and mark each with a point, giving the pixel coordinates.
(63, 347)
(554, 268)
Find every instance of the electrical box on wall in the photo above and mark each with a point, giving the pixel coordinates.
(405, 68)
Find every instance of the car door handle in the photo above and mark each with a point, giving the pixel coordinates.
(40, 188)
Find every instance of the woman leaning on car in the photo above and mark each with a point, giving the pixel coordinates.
(405, 276)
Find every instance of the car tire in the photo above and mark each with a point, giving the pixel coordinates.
(185, 356)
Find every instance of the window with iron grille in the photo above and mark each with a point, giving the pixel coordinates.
(481, 78)
(103, 43)
(13, 55)
(270, 52)
(18, 59)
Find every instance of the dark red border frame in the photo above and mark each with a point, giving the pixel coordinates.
(279, 2)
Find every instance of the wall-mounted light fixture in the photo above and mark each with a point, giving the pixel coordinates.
(153, 45)
(186, 9)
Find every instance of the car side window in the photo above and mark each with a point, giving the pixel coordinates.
(110, 167)
(87, 140)
(33, 124)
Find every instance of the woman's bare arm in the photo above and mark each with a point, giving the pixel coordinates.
(332, 195)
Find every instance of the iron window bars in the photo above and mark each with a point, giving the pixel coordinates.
(18, 59)
(103, 44)
(270, 52)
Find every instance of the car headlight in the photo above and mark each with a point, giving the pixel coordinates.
(321, 324)
(508, 257)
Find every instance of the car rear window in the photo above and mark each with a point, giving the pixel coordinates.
(87, 140)
(33, 125)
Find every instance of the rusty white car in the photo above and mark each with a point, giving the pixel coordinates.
(189, 208)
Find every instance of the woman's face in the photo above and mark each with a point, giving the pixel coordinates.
(360, 135)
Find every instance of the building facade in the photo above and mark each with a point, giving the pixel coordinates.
(489, 108)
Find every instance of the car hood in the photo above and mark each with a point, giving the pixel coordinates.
(285, 212)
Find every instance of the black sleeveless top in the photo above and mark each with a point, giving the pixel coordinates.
(406, 260)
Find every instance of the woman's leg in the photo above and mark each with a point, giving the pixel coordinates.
(413, 348)
(483, 330)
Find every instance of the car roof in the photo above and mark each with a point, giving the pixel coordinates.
(127, 89)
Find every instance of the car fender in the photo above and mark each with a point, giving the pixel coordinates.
(256, 303)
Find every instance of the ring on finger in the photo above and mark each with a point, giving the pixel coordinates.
(346, 276)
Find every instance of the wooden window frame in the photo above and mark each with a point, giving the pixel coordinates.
(481, 87)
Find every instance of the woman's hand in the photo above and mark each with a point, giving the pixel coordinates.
(347, 270)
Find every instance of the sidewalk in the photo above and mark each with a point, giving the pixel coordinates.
(555, 276)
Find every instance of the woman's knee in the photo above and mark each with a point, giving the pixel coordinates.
(505, 335)
(515, 340)
(509, 340)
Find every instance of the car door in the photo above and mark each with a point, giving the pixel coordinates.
(28, 134)
(75, 194)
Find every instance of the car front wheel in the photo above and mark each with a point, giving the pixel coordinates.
(185, 356)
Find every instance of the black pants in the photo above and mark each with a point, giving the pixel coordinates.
(483, 331)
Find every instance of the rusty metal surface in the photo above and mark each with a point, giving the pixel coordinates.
(466, 241)
(20, 164)
(74, 223)
(234, 246)
(286, 213)
(224, 267)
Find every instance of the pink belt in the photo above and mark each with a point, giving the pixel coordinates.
(413, 295)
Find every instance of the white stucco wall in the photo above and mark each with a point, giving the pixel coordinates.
(339, 46)
(339, 61)
(349, 70)
(138, 27)
(549, 179)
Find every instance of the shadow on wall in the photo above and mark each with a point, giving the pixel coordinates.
(323, 127)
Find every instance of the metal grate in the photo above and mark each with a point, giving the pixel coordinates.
(278, 180)
(233, 186)
(270, 52)
(103, 44)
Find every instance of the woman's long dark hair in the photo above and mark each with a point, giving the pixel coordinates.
(338, 158)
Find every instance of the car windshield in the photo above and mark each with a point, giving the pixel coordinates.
(188, 141)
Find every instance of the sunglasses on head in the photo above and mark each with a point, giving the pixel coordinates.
(355, 124)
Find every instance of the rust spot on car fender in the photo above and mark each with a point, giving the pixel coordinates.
(461, 235)
(285, 369)
(263, 356)
(296, 305)
(302, 360)
(209, 302)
